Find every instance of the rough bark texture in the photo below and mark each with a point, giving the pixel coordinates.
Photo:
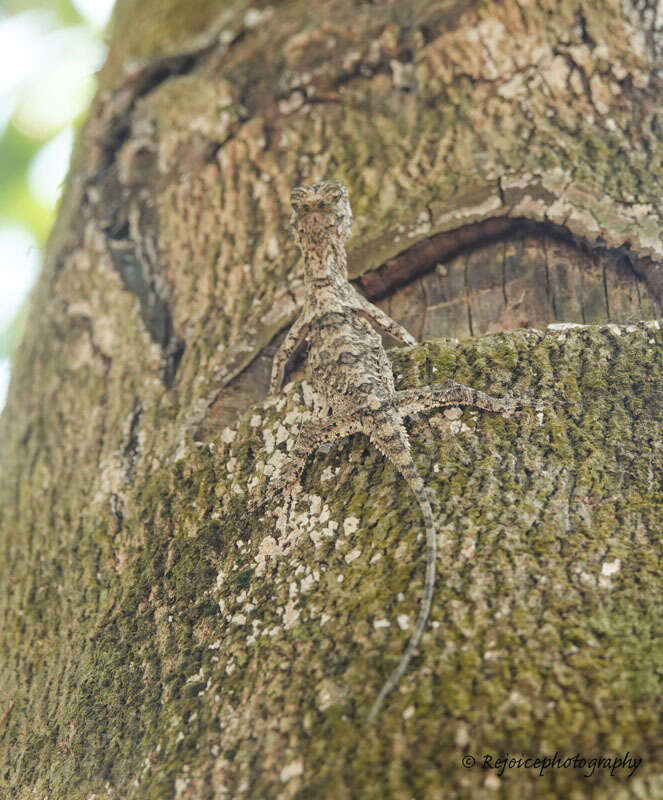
(504, 161)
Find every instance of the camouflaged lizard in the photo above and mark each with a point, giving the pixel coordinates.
(351, 373)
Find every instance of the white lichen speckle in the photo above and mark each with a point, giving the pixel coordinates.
(350, 525)
(307, 394)
(564, 326)
(609, 568)
(254, 16)
(269, 549)
(290, 615)
(292, 770)
(268, 437)
(292, 103)
(492, 782)
(228, 435)
(403, 621)
(421, 227)
(282, 434)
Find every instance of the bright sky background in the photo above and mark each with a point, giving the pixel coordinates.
(46, 80)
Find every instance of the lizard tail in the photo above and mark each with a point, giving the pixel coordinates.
(398, 452)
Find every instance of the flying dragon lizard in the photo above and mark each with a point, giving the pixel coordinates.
(351, 373)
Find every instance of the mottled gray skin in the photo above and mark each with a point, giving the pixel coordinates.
(351, 373)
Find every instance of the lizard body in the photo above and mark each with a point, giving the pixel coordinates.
(352, 375)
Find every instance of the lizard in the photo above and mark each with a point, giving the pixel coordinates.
(351, 374)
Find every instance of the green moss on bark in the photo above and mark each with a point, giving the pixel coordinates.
(223, 648)
(158, 642)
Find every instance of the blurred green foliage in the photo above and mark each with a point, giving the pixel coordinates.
(19, 206)
(64, 10)
(17, 202)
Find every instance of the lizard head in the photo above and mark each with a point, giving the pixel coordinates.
(320, 213)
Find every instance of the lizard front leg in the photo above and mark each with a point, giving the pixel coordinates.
(291, 342)
(382, 320)
(311, 436)
(450, 393)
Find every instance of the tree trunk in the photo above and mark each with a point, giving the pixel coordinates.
(504, 163)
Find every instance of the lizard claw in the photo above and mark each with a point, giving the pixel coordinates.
(529, 401)
(524, 406)
(254, 505)
(285, 488)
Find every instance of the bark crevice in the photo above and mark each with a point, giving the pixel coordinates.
(426, 254)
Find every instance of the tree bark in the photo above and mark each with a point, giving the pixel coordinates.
(504, 162)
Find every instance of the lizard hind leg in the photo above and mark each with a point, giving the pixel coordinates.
(311, 435)
(394, 445)
(450, 393)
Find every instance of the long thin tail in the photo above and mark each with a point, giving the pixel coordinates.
(401, 458)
